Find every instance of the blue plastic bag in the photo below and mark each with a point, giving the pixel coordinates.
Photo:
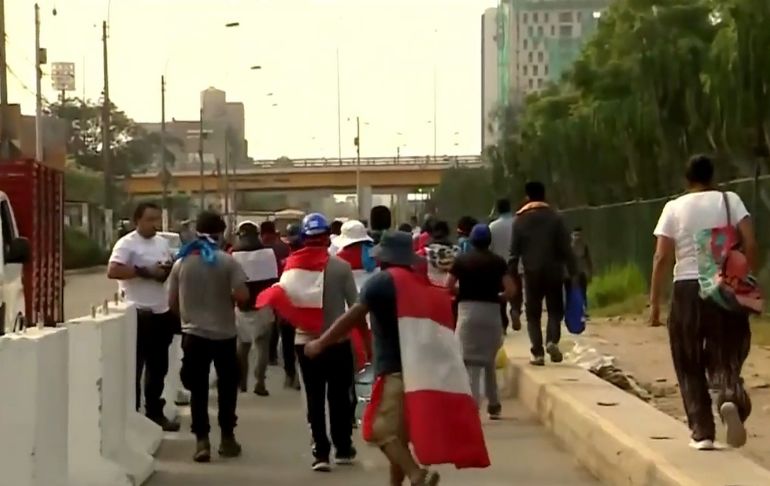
(574, 314)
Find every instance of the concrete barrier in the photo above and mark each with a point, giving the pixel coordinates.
(33, 408)
(142, 433)
(173, 383)
(619, 438)
(101, 452)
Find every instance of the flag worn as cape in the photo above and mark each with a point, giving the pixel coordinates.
(442, 419)
(298, 295)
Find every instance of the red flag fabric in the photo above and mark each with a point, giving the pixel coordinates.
(298, 295)
(442, 418)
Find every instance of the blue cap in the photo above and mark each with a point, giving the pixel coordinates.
(315, 224)
(480, 233)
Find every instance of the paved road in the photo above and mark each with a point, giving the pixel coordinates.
(277, 443)
(277, 452)
(84, 290)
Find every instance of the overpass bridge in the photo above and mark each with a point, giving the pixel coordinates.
(375, 173)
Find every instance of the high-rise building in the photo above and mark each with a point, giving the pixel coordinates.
(489, 77)
(544, 38)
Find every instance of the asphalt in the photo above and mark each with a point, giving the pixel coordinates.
(276, 444)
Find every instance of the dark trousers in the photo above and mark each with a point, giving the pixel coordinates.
(540, 286)
(287, 349)
(273, 355)
(708, 344)
(199, 353)
(516, 302)
(154, 333)
(329, 377)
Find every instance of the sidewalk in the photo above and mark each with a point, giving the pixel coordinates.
(276, 444)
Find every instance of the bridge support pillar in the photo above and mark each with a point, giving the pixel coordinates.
(364, 201)
(400, 207)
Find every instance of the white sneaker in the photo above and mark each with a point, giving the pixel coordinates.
(736, 431)
(702, 445)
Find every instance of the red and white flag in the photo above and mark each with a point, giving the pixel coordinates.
(441, 415)
(298, 295)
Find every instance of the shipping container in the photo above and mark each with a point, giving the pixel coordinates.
(36, 193)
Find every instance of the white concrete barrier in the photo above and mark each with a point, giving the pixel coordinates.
(173, 383)
(33, 408)
(142, 433)
(101, 449)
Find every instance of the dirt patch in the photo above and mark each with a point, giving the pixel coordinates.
(644, 352)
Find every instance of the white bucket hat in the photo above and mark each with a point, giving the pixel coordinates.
(352, 231)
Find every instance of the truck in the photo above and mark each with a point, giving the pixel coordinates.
(31, 210)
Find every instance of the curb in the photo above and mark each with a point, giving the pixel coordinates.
(86, 271)
(620, 439)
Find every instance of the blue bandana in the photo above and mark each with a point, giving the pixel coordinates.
(204, 245)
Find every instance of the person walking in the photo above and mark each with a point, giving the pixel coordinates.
(254, 326)
(271, 239)
(412, 329)
(440, 254)
(314, 290)
(502, 232)
(585, 265)
(355, 248)
(708, 342)
(540, 241)
(464, 227)
(483, 281)
(203, 284)
(381, 220)
(140, 262)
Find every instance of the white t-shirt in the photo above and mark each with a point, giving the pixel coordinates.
(137, 251)
(686, 215)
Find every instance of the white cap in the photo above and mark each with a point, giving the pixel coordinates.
(352, 231)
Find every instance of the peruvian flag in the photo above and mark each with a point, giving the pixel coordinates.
(353, 255)
(298, 295)
(442, 418)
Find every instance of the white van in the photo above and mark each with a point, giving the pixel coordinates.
(15, 254)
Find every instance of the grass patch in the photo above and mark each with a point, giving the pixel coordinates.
(616, 286)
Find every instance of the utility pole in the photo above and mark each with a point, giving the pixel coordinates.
(358, 167)
(435, 128)
(38, 89)
(227, 175)
(200, 158)
(106, 133)
(163, 163)
(5, 139)
(339, 111)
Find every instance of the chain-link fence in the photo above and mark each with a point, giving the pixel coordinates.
(620, 234)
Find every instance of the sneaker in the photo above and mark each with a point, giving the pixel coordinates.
(494, 411)
(346, 459)
(537, 361)
(229, 447)
(202, 450)
(554, 352)
(431, 478)
(261, 390)
(166, 424)
(736, 431)
(702, 445)
(321, 465)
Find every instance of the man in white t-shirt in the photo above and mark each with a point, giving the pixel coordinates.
(708, 343)
(141, 262)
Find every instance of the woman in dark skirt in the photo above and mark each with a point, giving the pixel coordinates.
(708, 342)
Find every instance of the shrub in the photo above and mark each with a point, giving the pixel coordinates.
(80, 251)
(616, 285)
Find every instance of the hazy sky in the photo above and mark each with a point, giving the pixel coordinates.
(388, 50)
